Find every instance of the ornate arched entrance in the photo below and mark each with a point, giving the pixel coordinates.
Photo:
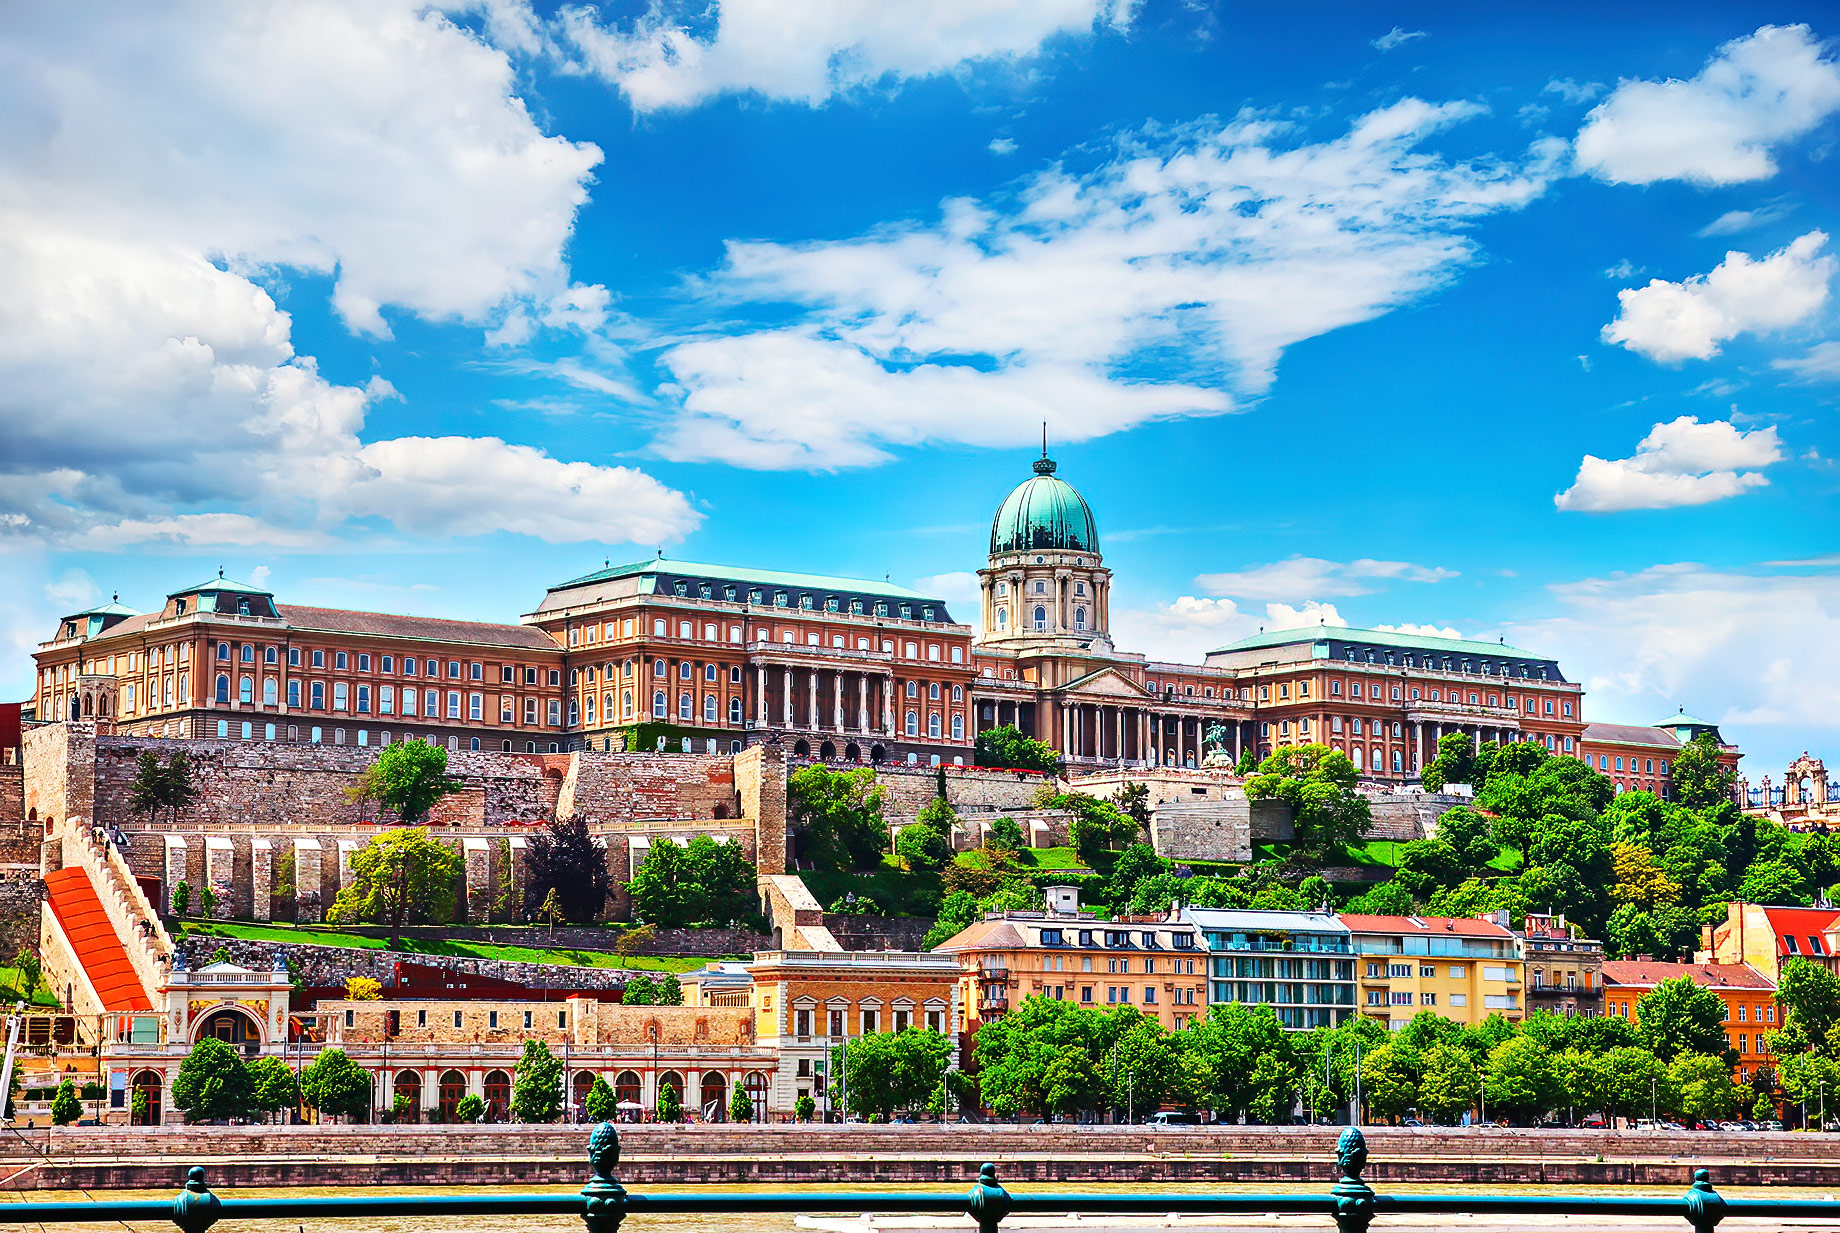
(498, 1096)
(452, 1091)
(231, 1024)
(145, 1099)
(714, 1100)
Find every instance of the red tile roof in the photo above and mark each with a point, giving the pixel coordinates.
(1800, 924)
(1466, 926)
(1646, 973)
(1630, 734)
(86, 925)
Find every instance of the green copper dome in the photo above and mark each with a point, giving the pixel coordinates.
(1044, 513)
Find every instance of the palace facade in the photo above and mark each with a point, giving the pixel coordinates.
(677, 655)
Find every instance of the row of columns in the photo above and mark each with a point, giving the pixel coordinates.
(1479, 733)
(1097, 732)
(848, 703)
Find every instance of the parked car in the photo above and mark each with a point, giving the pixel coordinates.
(1411, 1121)
(1165, 1117)
(1595, 1122)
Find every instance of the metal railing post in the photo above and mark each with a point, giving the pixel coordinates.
(196, 1208)
(988, 1202)
(1705, 1206)
(1354, 1198)
(603, 1198)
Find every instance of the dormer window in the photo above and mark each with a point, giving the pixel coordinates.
(242, 605)
(178, 610)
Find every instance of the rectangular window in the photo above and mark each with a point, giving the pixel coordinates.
(1399, 969)
(1459, 999)
(491, 1018)
(1501, 974)
(456, 1018)
(1427, 999)
(421, 1018)
(364, 699)
(340, 696)
(527, 1018)
(476, 706)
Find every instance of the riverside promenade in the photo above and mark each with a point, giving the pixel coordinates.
(106, 1158)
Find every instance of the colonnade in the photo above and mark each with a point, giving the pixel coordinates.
(1097, 732)
(854, 701)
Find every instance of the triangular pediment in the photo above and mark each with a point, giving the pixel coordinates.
(1105, 683)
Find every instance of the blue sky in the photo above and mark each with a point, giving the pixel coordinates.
(1512, 320)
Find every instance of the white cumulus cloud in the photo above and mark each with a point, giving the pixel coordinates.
(1199, 254)
(1669, 322)
(1720, 127)
(1315, 578)
(678, 54)
(162, 166)
(1820, 363)
(1680, 463)
(1189, 627)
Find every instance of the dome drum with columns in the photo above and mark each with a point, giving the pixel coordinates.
(1046, 580)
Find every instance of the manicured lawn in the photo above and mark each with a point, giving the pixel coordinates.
(1028, 858)
(895, 891)
(311, 936)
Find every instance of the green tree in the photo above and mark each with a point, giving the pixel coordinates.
(804, 1108)
(1135, 863)
(1389, 1081)
(336, 1085)
(1006, 746)
(725, 876)
(155, 787)
(65, 1108)
(1581, 1078)
(1699, 780)
(1133, 801)
(1776, 882)
(958, 912)
(670, 1104)
(939, 815)
(664, 889)
(399, 877)
(920, 847)
(212, 1083)
(1427, 866)
(207, 901)
(889, 1071)
(471, 1108)
(273, 1085)
(536, 1088)
(563, 857)
(740, 1105)
(181, 898)
(409, 777)
(30, 970)
(1520, 1081)
(1467, 834)
(1227, 1042)
(1318, 783)
(550, 910)
(670, 990)
(1455, 762)
(1810, 997)
(602, 1104)
(1097, 825)
(1678, 1016)
(839, 816)
(1006, 833)
(1637, 1081)
(1701, 1087)
(1449, 1084)
(1383, 899)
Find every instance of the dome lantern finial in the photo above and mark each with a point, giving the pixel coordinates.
(1044, 465)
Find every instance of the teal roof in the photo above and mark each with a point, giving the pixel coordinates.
(1376, 637)
(1684, 720)
(211, 586)
(1044, 513)
(736, 573)
(113, 608)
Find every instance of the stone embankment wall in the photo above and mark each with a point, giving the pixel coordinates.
(328, 967)
(454, 1156)
(712, 943)
(877, 932)
(906, 790)
(1405, 816)
(1217, 830)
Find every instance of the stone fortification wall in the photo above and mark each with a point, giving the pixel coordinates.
(906, 790)
(330, 966)
(1217, 830)
(877, 932)
(1406, 816)
(12, 794)
(709, 943)
(622, 788)
(22, 890)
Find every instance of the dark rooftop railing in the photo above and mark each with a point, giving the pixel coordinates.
(603, 1203)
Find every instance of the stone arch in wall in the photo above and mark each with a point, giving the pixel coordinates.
(1806, 783)
(828, 752)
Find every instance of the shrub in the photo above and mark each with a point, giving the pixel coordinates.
(470, 1109)
(64, 1106)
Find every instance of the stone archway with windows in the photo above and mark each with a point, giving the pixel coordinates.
(146, 1098)
(1805, 783)
(234, 1025)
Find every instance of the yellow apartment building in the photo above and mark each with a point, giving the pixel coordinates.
(1462, 968)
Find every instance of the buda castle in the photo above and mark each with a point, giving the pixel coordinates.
(677, 655)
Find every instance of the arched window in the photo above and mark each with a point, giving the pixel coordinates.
(626, 704)
(498, 1095)
(913, 723)
(270, 688)
(658, 705)
(958, 727)
(932, 691)
(249, 653)
(223, 687)
(932, 724)
(1354, 755)
(684, 705)
(246, 690)
(1041, 617)
(710, 714)
(734, 710)
(626, 1088)
(408, 1091)
(1002, 619)
(452, 1090)
(1079, 618)
(958, 693)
